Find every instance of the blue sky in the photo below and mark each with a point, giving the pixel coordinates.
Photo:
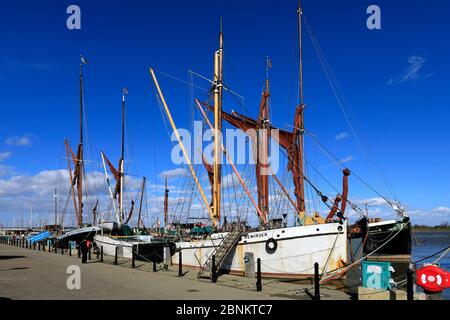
(395, 82)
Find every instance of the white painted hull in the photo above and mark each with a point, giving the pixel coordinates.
(298, 248)
(124, 248)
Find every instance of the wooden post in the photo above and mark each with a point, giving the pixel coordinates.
(180, 264)
(316, 282)
(409, 284)
(258, 275)
(115, 256)
(213, 269)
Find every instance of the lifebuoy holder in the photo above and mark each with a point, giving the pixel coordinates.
(433, 279)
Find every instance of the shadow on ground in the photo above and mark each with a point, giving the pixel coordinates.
(10, 257)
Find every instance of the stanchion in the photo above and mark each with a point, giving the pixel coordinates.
(409, 284)
(258, 275)
(316, 282)
(133, 256)
(213, 270)
(84, 250)
(180, 264)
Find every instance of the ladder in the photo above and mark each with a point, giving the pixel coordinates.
(220, 253)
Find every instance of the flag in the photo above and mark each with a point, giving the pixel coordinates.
(125, 91)
(83, 60)
(269, 63)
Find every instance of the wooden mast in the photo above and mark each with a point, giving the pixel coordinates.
(166, 204)
(122, 157)
(80, 163)
(183, 149)
(218, 88)
(301, 195)
(56, 208)
(140, 204)
(263, 147)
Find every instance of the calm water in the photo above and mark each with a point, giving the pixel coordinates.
(429, 243)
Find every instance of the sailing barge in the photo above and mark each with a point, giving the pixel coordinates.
(288, 252)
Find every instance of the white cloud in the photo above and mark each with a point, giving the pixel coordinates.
(4, 155)
(20, 141)
(341, 136)
(174, 173)
(412, 72)
(371, 202)
(441, 210)
(230, 181)
(346, 160)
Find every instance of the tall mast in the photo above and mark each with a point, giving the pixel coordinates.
(80, 163)
(142, 198)
(166, 204)
(301, 196)
(218, 88)
(122, 157)
(56, 208)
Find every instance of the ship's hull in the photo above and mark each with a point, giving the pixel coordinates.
(151, 251)
(77, 235)
(296, 251)
(391, 238)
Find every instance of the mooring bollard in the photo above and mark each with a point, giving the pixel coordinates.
(115, 257)
(101, 254)
(154, 266)
(258, 275)
(213, 270)
(409, 284)
(316, 282)
(180, 264)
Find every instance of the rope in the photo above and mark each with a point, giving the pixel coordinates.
(445, 250)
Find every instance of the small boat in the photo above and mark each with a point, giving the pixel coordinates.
(77, 235)
(390, 238)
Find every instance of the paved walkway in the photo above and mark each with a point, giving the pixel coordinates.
(32, 274)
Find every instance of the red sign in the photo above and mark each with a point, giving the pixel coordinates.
(433, 279)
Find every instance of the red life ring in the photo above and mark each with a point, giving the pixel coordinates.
(433, 279)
